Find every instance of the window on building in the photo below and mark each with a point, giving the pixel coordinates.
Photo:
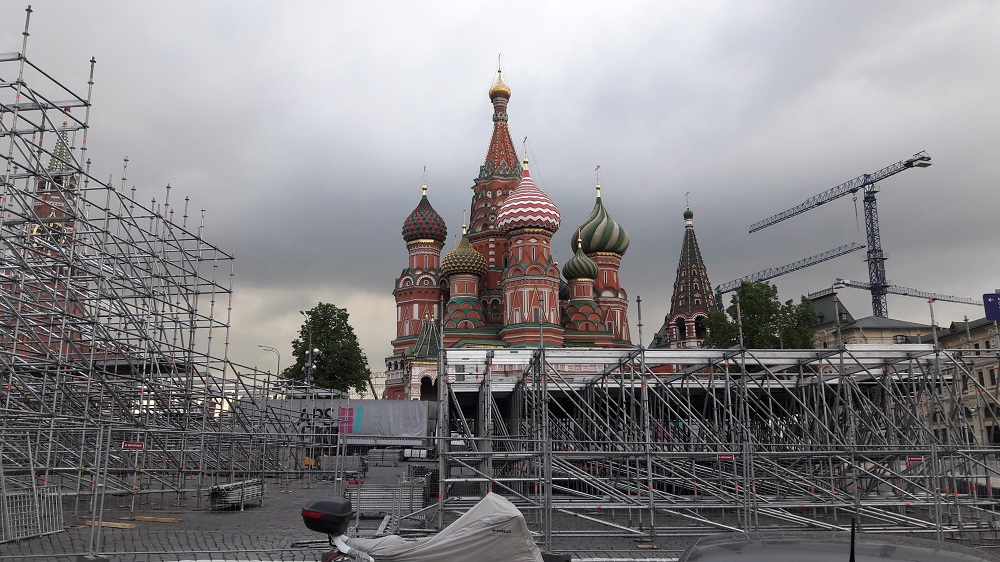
(899, 338)
(976, 347)
(993, 377)
(982, 381)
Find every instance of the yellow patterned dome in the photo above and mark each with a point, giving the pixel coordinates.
(499, 89)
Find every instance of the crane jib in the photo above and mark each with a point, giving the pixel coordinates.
(919, 160)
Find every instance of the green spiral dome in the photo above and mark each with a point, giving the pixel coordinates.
(601, 233)
(580, 266)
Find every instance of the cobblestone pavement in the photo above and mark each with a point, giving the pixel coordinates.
(273, 531)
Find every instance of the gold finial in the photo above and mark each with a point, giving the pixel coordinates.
(597, 175)
(464, 225)
(423, 180)
(499, 89)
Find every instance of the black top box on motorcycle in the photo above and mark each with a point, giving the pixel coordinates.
(328, 516)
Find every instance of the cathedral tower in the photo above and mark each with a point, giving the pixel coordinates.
(498, 176)
(464, 267)
(582, 316)
(605, 242)
(693, 298)
(419, 289)
(528, 219)
(45, 310)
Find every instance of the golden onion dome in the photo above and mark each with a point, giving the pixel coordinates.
(499, 89)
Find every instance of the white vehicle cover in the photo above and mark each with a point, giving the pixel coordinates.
(492, 531)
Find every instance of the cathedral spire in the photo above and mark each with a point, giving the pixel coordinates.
(61, 158)
(684, 325)
(501, 157)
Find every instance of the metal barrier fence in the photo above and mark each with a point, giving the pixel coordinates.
(30, 513)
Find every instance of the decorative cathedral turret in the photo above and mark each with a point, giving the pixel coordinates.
(582, 316)
(693, 298)
(464, 267)
(528, 219)
(498, 176)
(605, 242)
(419, 289)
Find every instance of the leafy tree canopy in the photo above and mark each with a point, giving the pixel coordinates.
(767, 322)
(339, 362)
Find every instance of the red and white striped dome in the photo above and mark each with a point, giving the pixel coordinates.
(528, 207)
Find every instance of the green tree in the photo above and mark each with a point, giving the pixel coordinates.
(767, 322)
(339, 362)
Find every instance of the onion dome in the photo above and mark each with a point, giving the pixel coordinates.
(580, 266)
(464, 259)
(601, 233)
(528, 207)
(424, 223)
(499, 89)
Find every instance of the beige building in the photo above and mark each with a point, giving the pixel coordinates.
(834, 316)
(976, 381)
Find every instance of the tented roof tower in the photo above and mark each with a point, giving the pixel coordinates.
(684, 326)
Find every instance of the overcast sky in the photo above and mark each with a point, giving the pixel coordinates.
(302, 129)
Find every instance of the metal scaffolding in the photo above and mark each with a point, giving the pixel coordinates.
(115, 381)
(693, 441)
(114, 327)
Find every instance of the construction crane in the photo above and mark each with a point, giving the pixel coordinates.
(875, 259)
(772, 272)
(906, 291)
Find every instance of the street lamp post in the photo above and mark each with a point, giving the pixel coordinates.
(276, 352)
(309, 377)
(310, 367)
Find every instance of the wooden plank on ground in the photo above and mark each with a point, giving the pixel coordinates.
(111, 524)
(158, 519)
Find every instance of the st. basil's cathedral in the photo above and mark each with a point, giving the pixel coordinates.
(500, 287)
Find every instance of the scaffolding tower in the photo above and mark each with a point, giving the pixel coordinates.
(114, 325)
(648, 443)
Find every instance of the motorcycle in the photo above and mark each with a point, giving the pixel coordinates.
(492, 531)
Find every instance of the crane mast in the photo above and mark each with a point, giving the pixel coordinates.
(867, 182)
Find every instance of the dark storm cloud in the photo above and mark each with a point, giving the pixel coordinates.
(303, 132)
